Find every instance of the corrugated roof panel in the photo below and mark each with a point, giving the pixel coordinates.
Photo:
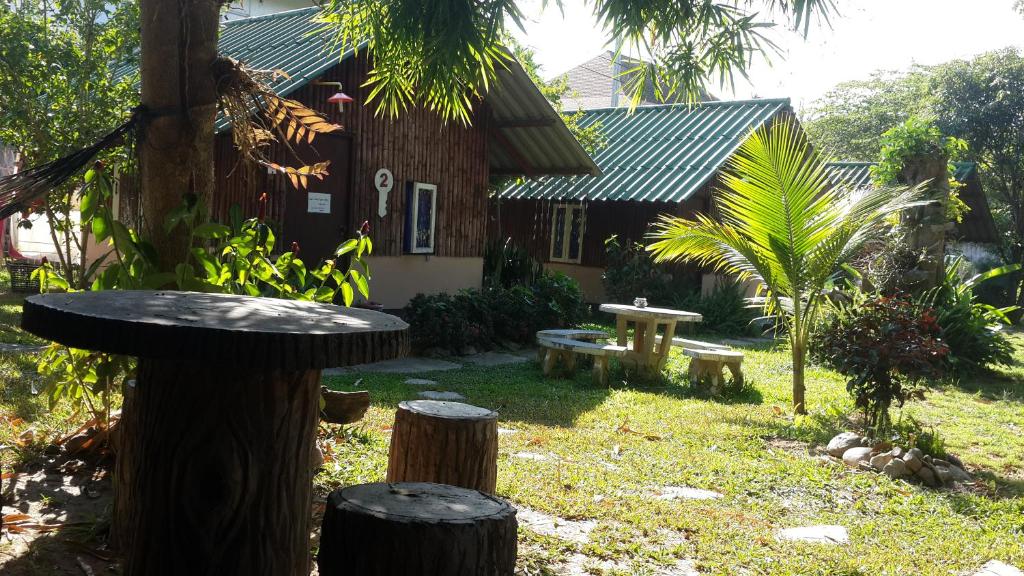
(858, 174)
(657, 153)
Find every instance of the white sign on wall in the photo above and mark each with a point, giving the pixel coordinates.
(319, 203)
(384, 181)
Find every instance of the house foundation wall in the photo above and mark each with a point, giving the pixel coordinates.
(396, 279)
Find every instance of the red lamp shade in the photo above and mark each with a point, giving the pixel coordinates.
(340, 98)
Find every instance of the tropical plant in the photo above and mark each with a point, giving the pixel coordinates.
(507, 264)
(724, 311)
(439, 54)
(885, 345)
(785, 225)
(971, 329)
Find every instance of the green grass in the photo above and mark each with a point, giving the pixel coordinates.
(743, 448)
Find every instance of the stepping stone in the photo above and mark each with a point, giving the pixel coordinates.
(408, 365)
(686, 493)
(997, 568)
(420, 382)
(531, 456)
(577, 531)
(507, 431)
(21, 348)
(435, 395)
(493, 359)
(820, 534)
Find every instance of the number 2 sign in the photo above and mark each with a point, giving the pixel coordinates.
(384, 181)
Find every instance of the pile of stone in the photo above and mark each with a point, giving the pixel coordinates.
(858, 452)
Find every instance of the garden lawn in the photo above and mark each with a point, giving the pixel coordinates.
(582, 453)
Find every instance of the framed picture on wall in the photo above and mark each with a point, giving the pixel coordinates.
(420, 218)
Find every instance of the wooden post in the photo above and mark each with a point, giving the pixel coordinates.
(416, 528)
(444, 442)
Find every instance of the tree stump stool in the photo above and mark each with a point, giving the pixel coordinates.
(444, 442)
(212, 474)
(419, 529)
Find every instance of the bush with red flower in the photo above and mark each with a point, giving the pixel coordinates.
(886, 346)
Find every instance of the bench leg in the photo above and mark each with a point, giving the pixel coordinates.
(570, 361)
(737, 373)
(707, 371)
(550, 359)
(600, 370)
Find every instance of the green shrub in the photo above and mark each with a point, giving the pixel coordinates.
(970, 328)
(884, 345)
(486, 317)
(507, 265)
(631, 273)
(725, 311)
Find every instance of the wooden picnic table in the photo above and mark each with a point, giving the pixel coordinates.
(646, 353)
(213, 471)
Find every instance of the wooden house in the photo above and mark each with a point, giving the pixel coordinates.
(662, 159)
(429, 230)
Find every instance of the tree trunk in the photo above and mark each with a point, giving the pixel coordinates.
(799, 357)
(179, 46)
(446, 443)
(926, 226)
(221, 491)
(417, 528)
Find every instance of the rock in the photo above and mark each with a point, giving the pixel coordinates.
(854, 456)
(420, 382)
(955, 461)
(824, 534)
(317, 458)
(838, 445)
(950, 474)
(997, 568)
(467, 351)
(912, 461)
(895, 468)
(927, 476)
(879, 461)
(686, 493)
(435, 395)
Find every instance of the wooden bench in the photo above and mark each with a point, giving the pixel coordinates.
(570, 333)
(706, 365)
(565, 350)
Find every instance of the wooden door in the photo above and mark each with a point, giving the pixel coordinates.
(317, 217)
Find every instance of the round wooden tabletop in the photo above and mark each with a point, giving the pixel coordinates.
(651, 313)
(261, 333)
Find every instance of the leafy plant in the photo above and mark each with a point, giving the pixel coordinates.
(724, 311)
(884, 345)
(785, 225)
(507, 264)
(483, 318)
(970, 328)
(631, 272)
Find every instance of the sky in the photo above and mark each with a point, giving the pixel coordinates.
(868, 35)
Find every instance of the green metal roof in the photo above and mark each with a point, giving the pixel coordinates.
(858, 174)
(659, 153)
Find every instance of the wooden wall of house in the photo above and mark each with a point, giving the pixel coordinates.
(528, 223)
(417, 147)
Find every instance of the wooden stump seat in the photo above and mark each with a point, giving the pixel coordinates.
(444, 442)
(416, 529)
(706, 366)
(564, 351)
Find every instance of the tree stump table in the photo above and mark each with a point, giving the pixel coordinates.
(212, 476)
(419, 529)
(444, 442)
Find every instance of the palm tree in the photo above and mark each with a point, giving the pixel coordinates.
(784, 224)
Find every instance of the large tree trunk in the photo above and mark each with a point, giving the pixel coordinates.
(179, 46)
